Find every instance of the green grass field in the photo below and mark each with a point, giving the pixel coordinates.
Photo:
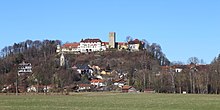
(110, 101)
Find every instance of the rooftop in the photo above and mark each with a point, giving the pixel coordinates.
(97, 81)
(136, 41)
(91, 40)
(71, 45)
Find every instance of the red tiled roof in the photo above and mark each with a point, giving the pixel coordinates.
(70, 45)
(126, 87)
(179, 66)
(91, 40)
(202, 67)
(105, 43)
(136, 41)
(119, 80)
(96, 81)
(84, 85)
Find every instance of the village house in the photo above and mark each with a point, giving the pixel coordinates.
(179, 68)
(24, 71)
(98, 82)
(40, 88)
(128, 89)
(8, 88)
(84, 87)
(24, 68)
(32, 88)
(174, 68)
(120, 83)
(135, 45)
(83, 69)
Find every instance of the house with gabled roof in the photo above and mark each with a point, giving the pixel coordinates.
(84, 87)
(90, 45)
(98, 82)
(84, 69)
(119, 82)
(69, 48)
(135, 45)
(128, 89)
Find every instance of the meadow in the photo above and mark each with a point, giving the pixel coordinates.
(110, 101)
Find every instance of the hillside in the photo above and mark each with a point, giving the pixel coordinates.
(46, 69)
(146, 69)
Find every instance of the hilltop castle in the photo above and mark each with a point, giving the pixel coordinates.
(93, 45)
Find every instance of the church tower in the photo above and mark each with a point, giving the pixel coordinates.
(62, 60)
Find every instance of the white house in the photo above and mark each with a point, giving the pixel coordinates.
(84, 87)
(91, 45)
(24, 68)
(134, 45)
(32, 89)
(119, 83)
(98, 82)
(178, 70)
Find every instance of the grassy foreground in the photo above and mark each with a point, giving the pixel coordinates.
(110, 101)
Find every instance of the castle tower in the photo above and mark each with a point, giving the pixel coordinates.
(62, 60)
(112, 36)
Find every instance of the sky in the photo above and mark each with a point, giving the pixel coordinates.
(183, 28)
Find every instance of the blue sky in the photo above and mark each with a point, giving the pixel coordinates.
(183, 28)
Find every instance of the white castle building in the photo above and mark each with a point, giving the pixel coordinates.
(93, 45)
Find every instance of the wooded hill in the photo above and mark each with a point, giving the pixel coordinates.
(148, 62)
(46, 69)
